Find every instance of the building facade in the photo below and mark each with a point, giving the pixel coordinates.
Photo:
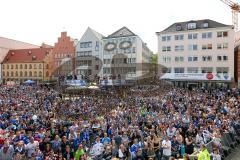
(125, 56)
(197, 52)
(7, 44)
(63, 56)
(89, 54)
(27, 64)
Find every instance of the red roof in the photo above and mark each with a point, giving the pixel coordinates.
(26, 55)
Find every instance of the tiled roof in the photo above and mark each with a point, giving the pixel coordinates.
(122, 32)
(26, 55)
(183, 25)
(6, 44)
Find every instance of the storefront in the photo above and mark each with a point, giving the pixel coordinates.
(197, 80)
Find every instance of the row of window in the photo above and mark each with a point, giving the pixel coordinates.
(26, 74)
(118, 50)
(190, 36)
(62, 55)
(119, 61)
(26, 66)
(118, 40)
(84, 53)
(195, 58)
(194, 47)
(85, 44)
(123, 70)
(84, 63)
(195, 70)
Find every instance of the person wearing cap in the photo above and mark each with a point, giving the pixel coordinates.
(204, 154)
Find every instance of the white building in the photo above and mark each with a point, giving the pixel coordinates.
(89, 54)
(121, 54)
(125, 55)
(197, 51)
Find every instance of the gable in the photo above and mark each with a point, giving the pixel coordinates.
(123, 32)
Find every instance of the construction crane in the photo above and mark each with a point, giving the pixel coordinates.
(235, 9)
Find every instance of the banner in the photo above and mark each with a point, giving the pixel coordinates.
(197, 76)
(110, 82)
(76, 82)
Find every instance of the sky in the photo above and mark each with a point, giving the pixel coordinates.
(38, 21)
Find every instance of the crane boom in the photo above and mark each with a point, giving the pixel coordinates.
(235, 9)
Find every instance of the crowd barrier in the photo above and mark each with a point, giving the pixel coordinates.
(228, 142)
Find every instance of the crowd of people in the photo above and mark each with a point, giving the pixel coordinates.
(167, 123)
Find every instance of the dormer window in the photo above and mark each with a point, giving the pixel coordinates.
(205, 25)
(191, 26)
(178, 27)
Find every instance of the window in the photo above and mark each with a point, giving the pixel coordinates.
(225, 45)
(206, 58)
(222, 58)
(12, 75)
(179, 37)
(30, 74)
(7, 66)
(192, 70)
(179, 59)
(166, 48)
(40, 66)
(7, 74)
(207, 47)
(207, 35)
(192, 47)
(205, 25)
(40, 74)
(25, 73)
(179, 70)
(47, 74)
(179, 48)
(21, 73)
(192, 58)
(25, 66)
(35, 73)
(97, 46)
(16, 66)
(222, 69)
(166, 38)
(222, 46)
(178, 27)
(16, 74)
(3, 66)
(191, 25)
(96, 67)
(21, 67)
(207, 69)
(85, 44)
(47, 66)
(30, 66)
(192, 36)
(166, 70)
(12, 67)
(219, 58)
(222, 34)
(3, 74)
(166, 59)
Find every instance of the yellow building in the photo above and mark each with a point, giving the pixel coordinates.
(27, 64)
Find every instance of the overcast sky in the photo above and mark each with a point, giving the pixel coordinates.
(37, 21)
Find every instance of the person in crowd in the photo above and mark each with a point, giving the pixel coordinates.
(166, 145)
